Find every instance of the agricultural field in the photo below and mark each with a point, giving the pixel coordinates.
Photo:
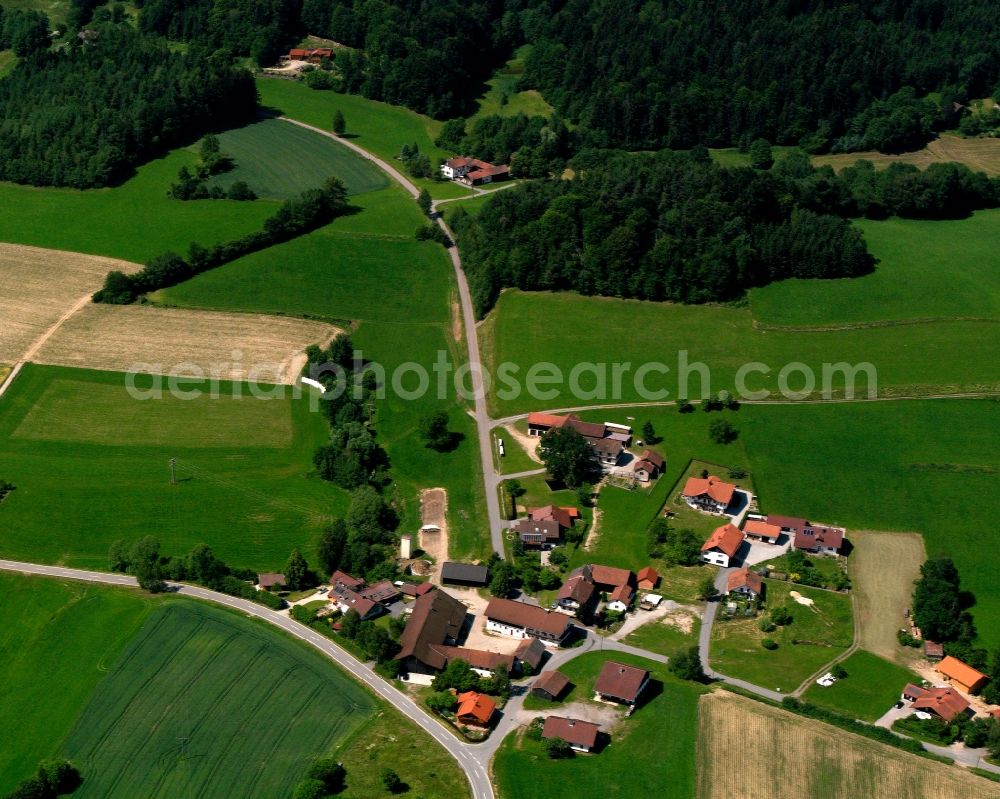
(280, 160)
(399, 296)
(59, 640)
(980, 155)
(37, 287)
(631, 765)
(922, 274)
(262, 349)
(882, 595)
(378, 127)
(871, 687)
(90, 464)
(171, 716)
(850, 765)
(106, 221)
(817, 634)
(945, 356)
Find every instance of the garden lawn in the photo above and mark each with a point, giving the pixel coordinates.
(942, 270)
(651, 753)
(666, 639)
(871, 687)
(380, 128)
(280, 160)
(912, 359)
(514, 459)
(58, 640)
(91, 466)
(134, 221)
(816, 636)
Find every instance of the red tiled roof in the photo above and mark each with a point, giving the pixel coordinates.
(762, 529)
(710, 486)
(297, 52)
(744, 578)
(620, 681)
(540, 419)
(477, 658)
(520, 614)
(550, 529)
(457, 162)
(552, 513)
(955, 669)
(345, 579)
(354, 601)
(437, 616)
(530, 651)
(648, 577)
(576, 588)
(478, 707)
(552, 682)
(269, 579)
(623, 593)
(945, 702)
(381, 592)
(726, 538)
(609, 575)
(572, 731)
(652, 458)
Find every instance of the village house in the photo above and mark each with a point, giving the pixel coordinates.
(648, 466)
(722, 546)
(577, 596)
(583, 586)
(416, 589)
(474, 172)
(544, 526)
(708, 494)
(621, 598)
(520, 620)
(760, 530)
(745, 583)
(607, 441)
(620, 683)
(550, 685)
(437, 619)
(350, 593)
(475, 709)
(816, 538)
(580, 735)
(530, 654)
(313, 55)
(482, 662)
(943, 702)
(961, 675)
(647, 578)
(270, 580)
(466, 574)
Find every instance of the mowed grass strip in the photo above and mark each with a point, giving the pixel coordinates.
(882, 594)
(941, 270)
(172, 341)
(206, 703)
(59, 639)
(809, 758)
(244, 466)
(280, 160)
(38, 286)
(134, 221)
(871, 687)
(651, 752)
(980, 155)
(817, 635)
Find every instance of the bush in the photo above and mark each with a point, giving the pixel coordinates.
(766, 625)
(302, 614)
(557, 749)
(769, 643)
(269, 600)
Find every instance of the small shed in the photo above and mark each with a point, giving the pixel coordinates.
(469, 574)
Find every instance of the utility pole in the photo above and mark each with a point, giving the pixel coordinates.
(173, 471)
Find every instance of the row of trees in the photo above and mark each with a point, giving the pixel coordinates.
(54, 778)
(676, 226)
(86, 115)
(295, 217)
(192, 184)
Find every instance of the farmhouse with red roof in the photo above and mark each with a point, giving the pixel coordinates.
(722, 546)
(708, 494)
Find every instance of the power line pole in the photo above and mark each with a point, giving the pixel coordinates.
(173, 471)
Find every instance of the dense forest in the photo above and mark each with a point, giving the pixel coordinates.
(87, 114)
(675, 226)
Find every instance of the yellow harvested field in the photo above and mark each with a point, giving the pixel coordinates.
(980, 155)
(747, 748)
(227, 346)
(883, 594)
(39, 286)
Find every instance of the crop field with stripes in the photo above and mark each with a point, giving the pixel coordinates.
(202, 703)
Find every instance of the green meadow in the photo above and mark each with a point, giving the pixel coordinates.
(280, 160)
(59, 640)
(926, 270)
(91, 466)
(871, 687)
(134, 221)
(502, 97)
(653, 752)
(381, 128)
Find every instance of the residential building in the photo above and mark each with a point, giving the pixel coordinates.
(943, 702)
(416, 589)
(576, 596)
(708, 494)
(605, 578)
(529, 655)
(647, 578)
(520, 620)
(620, 683)
(384, 592)
(268, 580)
(819, 539)
(437, 619)
(348, 600)
(722, 546)
(745, 582)
(961, 675)
(607, 441)
(580, 735)
(475, 709)
(544, 526)
(550, 685)
(474, 172)
(483, 662)
(648, 466)
(468, 574)
(621, 598)
(761, 530)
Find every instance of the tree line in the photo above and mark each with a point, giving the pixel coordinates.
(85, 115)
(53, 778)
(678, 227)
(295, 217)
